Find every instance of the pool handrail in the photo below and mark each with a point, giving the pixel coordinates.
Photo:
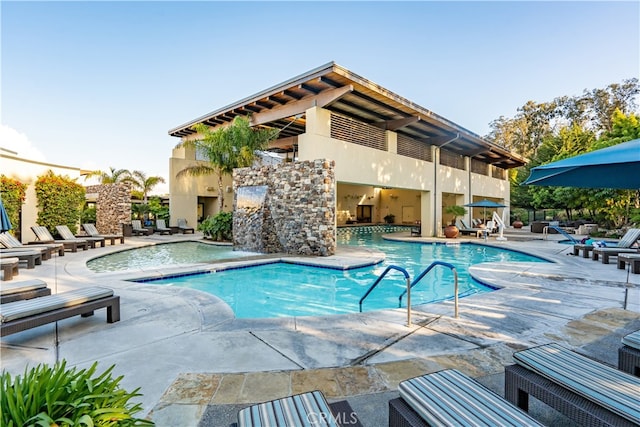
(384, 273)
(424, 273)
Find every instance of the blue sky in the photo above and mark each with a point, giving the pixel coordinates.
(99, 84)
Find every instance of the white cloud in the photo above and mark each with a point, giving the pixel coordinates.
(11, 139)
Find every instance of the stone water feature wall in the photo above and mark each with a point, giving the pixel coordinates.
(286, 208)
(113, 206)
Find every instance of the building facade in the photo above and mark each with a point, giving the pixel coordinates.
(394, 160)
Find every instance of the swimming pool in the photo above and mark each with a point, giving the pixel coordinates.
(281, 289)
(164, 254)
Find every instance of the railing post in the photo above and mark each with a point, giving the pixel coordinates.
(408, 303)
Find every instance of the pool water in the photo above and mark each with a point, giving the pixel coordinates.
(283, 289)
(163, 255)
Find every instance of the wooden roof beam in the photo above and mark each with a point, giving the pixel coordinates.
(299, 107)
(397, 123)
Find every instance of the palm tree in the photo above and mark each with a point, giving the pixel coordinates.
(114, 176)
(143, 183)
(227, 148)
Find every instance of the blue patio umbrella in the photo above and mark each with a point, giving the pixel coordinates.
(5, 224)
(617, 166)
(485, 203)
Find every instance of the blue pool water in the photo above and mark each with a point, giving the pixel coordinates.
(163, 255)
(283, 289)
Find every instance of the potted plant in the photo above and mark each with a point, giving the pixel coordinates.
(451, 231)
(390, 218)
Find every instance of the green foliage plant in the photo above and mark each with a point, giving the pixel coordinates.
(157, 209)
(56, 396)
(218, 227)
(456, 211)
(12, 193)
(60, 201)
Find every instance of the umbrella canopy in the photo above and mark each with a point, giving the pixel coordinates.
(612, 167)
(485, 203)
(5, 224)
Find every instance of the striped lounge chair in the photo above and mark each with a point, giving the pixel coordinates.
(138, 229)
(450, 398)
(586, 391)
(25, 289)
(23, 315)
(161, 227)
(183, 227)
(44, 236)
(66, 234)
(628, 244)
(92, 231)
(629, 354)
(306, 409)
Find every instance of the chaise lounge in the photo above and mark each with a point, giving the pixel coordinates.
(183, 227)
(31, 257)
(465, 229)
(632, 259)
(23, 290)
(629, 354)
(66, 234)
(23, 315)
(161, 227)
(623, 245)
(92, 231)
(44, 236)
(586, 391)
(10, 242)
(450, 398)
(305, 409)
(138, 229)
(10, 267)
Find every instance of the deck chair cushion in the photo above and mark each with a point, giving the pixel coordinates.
(449, 397)
(632, 340)
(21, 309)
(22, 286)
(610, 388)
(302, 409)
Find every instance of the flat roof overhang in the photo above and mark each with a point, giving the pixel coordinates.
(341, 91)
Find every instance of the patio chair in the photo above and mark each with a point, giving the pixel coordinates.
(44, 236)
(161, 227)
(23, 315)
(586, 391)
(10, 267)
(305, 409)
(10, 242)
(23, 290)
(183, 228)
(92, 231)
(449, 397)
(31, 257)
(629, 354)
(628, 244)
(138, 229)
(66, 234)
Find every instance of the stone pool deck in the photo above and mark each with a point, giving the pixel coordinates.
(197, 365)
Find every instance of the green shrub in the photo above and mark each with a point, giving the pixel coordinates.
(12, 193)
(60, 201)
(218, 227)
(57, 396)
(88, 216)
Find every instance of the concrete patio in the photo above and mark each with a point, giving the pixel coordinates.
(197, 365)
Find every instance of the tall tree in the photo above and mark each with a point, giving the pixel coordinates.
(227, 148)
(114, 175)
(143, 183)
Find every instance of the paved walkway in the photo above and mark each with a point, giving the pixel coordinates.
(197, 365)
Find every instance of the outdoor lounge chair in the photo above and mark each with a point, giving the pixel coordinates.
(92, 231)
(161, 227)
(586, 391)
(66, 234)
(10, 267)
(44, 236)
(629, 238)
(138, 229)
(451, 398)
(23, 315)
(10, 242)
(32, 258)
(305, 409)
(629, 354)
(632, 259)
(23, 290)
(44, 252)
(183, 228)
(465, 229)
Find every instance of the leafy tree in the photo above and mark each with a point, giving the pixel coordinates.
(12, 194)
(227, 148)
(60, 201)
(143, 184)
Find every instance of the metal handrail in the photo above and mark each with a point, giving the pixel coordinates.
(419, 277)
(384, 273)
